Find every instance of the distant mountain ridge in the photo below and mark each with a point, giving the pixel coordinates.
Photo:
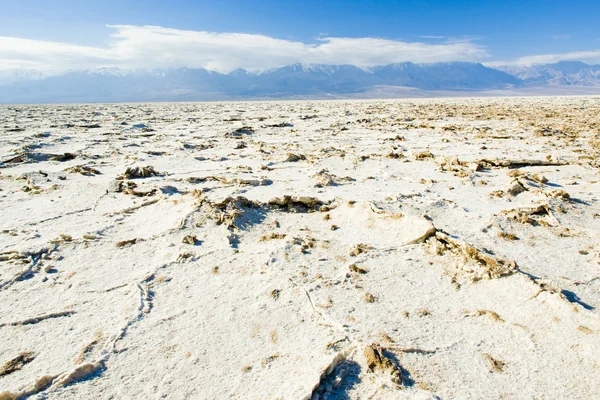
(560, 73)
(291, 81)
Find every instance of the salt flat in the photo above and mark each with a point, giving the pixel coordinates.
(416, 249)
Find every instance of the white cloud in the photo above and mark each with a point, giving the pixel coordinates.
(26, 53)
(586, 56)
(157, 47)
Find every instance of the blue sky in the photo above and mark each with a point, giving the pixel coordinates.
(496, 31)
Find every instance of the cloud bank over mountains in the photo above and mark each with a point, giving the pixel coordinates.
(131, 47)
(141, 46)
(589, 56)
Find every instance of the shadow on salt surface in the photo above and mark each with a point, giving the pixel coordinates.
(245, 222)
(250, 217)
(338, 383)
(579, 201)
(407, 381)
(170, 190)
(573, 298)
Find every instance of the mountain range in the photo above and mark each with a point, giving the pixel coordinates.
(292, 81)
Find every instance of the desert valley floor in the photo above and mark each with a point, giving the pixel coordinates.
(413, 249)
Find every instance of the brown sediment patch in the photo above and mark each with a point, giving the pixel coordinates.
(378, 361)
(40, 384)
(37, 157)
(127, 243)
(190, 239)
(395, 155)
(359, 249)
(495, 364)
(529, 215)
(233, 181)
(507, 236)
(324, 178)
(492, 314)
(62, 157)
(516, 188)
(423, 155)
(240, 132)
(292, 157)
(140, 172)
(231, 210)
(12, 255)
(481, 264)
(369, 298)
(356, 269)
(518, 163)
(79, 373)
(17, 363)
(83, 170)
(129, 187)
(458, 168)
(272, 236)
(299, 204)
(35, 320)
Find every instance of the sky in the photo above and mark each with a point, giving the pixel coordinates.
(222, 35)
